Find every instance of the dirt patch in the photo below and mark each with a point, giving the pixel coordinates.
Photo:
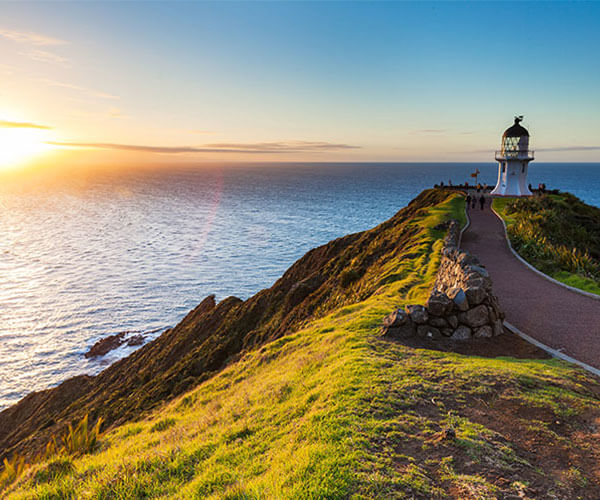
(505, 345)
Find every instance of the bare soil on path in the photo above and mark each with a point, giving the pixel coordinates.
(554, 315)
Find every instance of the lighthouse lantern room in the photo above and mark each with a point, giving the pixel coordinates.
(513, 161)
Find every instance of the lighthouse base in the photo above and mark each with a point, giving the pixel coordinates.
(512, 179)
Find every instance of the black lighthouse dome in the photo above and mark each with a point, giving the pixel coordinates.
(516, 130)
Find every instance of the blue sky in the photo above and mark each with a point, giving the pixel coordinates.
(304, 81)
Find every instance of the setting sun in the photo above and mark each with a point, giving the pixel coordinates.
(18, 145)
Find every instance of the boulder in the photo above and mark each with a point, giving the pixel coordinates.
(439, 304)
(484, 331)
(475, 295)
(418, 314)
(437, 321)
(474, 280)
(135, 340)
(395, 319)
(462, 333)
(459, 298)
(447, 332)
(476, 317)
(473, 268)
(430, 332)
(452, 320)
(498, 327)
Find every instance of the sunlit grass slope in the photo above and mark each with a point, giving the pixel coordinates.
(558, 234)
(334, 411)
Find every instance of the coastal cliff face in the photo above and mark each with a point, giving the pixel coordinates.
(212, 335)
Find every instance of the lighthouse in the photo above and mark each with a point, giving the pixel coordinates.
(513, 161)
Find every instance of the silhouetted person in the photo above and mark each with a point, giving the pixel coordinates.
(481, 201)
(468, 200)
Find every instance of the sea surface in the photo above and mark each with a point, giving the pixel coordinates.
(88, 255)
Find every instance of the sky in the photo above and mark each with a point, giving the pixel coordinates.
(193, 82)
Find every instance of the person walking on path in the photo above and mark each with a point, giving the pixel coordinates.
(482, 201)
(468, 201)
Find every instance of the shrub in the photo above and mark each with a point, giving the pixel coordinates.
(81, 439)
(13, 468)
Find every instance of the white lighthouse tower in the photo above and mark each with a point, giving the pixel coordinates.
(513, 161)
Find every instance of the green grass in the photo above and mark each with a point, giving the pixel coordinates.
(558, 234)
(331, 411)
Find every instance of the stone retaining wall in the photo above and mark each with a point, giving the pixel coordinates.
(461, 305)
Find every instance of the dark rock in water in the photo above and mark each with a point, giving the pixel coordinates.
(135, 340)
(105, 345)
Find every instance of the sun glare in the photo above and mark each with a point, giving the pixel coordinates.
(19, 145)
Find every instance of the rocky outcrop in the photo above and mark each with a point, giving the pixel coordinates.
(461, 305)
(107, 344)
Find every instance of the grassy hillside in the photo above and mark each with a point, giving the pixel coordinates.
(332, 410)
(558, 234)
(211, 336)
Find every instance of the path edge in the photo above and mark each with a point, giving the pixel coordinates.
(535, 270)
(553, 352)
(466, 226)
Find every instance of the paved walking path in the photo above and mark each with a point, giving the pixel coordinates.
(554, 315)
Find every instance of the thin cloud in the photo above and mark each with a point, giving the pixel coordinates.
(30, 38)
(267, 147)
(570, 148)
(284, 146)
(7, 124)
(84, 90)
(45, 56)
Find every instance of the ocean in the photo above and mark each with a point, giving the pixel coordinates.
(89, 255)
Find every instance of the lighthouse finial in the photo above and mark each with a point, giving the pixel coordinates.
(518, 119)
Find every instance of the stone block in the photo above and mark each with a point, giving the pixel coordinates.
(418, 314)
(484, 331)
(437, 321)
(498, 327)
(458, 296)
(427, 331)
(395, 319)
(439, 304)
(476, 317)
(475, 295)
(462, 333)
(452, 320)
